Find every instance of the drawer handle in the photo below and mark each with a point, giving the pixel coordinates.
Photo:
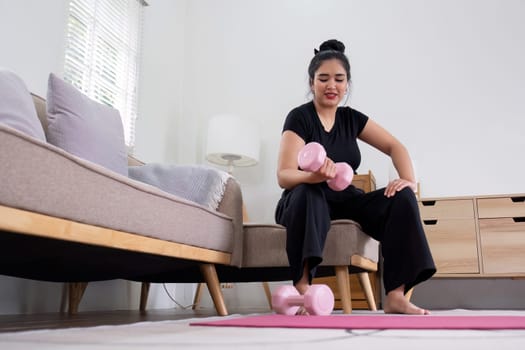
(519, 219)
(428, 203)
(518, 199)
(430, 222)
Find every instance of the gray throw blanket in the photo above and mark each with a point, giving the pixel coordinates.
(200, 184)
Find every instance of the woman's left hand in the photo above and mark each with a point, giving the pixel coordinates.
(397, 185)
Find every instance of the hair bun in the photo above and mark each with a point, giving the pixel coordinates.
(331, 45)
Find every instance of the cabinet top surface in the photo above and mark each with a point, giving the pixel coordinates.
(506, 195)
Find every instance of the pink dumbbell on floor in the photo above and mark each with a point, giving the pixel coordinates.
(318, 300)
(312, 157)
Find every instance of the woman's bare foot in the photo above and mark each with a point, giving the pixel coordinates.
(302, 312)
(397, 303)
(302, 287)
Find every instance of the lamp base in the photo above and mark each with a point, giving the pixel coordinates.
(230, 158)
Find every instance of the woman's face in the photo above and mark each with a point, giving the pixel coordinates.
(330, 83)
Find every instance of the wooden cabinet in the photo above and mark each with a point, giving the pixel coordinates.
(480, 236)
(447, 209)
(502, 234)
(450, 226)
(367, 183)
(501, 207)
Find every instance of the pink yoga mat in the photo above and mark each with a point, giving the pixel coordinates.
(372, 322)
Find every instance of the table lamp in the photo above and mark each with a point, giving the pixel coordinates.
(232, 141)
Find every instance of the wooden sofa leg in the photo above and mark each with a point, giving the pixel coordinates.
(212, 281)
(76, 291)
(144, 291)
(364, 279)
(268, 293)
(64, 298)
(197, 299)
(343, 284)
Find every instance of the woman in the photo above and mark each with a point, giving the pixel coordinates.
(307, 205)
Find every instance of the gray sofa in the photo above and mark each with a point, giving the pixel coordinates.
(66, 219)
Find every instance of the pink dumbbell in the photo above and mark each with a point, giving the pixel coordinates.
(312, 157)
(318, 300)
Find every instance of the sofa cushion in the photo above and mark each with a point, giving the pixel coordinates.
(85, 128)
(265, 245)
(16, 106)
(56, 183)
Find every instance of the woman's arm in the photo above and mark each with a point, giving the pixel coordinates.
(288, 174)
(376, 136)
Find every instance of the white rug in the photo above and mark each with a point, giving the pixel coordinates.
(179, 335)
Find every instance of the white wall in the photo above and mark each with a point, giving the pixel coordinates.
(32, 37)
(161, 82)
(445, 77)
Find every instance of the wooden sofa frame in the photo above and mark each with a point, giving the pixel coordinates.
(39, 225)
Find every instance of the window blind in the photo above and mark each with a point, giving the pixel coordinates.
(103, 46)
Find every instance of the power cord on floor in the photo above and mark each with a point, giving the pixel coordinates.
(223, 286)
(175, 301)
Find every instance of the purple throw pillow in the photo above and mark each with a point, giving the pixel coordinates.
(85, 128)
(17, 109)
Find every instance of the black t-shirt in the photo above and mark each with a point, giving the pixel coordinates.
(341, 142)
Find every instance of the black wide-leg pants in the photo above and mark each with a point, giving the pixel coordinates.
(306, 212)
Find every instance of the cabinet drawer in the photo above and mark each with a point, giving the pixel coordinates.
(504, 207)
(453, 245)
(502, 245)
(446, 209)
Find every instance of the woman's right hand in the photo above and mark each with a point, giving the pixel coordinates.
(326, 172)
(288, 173)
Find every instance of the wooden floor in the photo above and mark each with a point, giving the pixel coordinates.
(15, 323)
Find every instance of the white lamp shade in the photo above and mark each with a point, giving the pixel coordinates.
(232, 141)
